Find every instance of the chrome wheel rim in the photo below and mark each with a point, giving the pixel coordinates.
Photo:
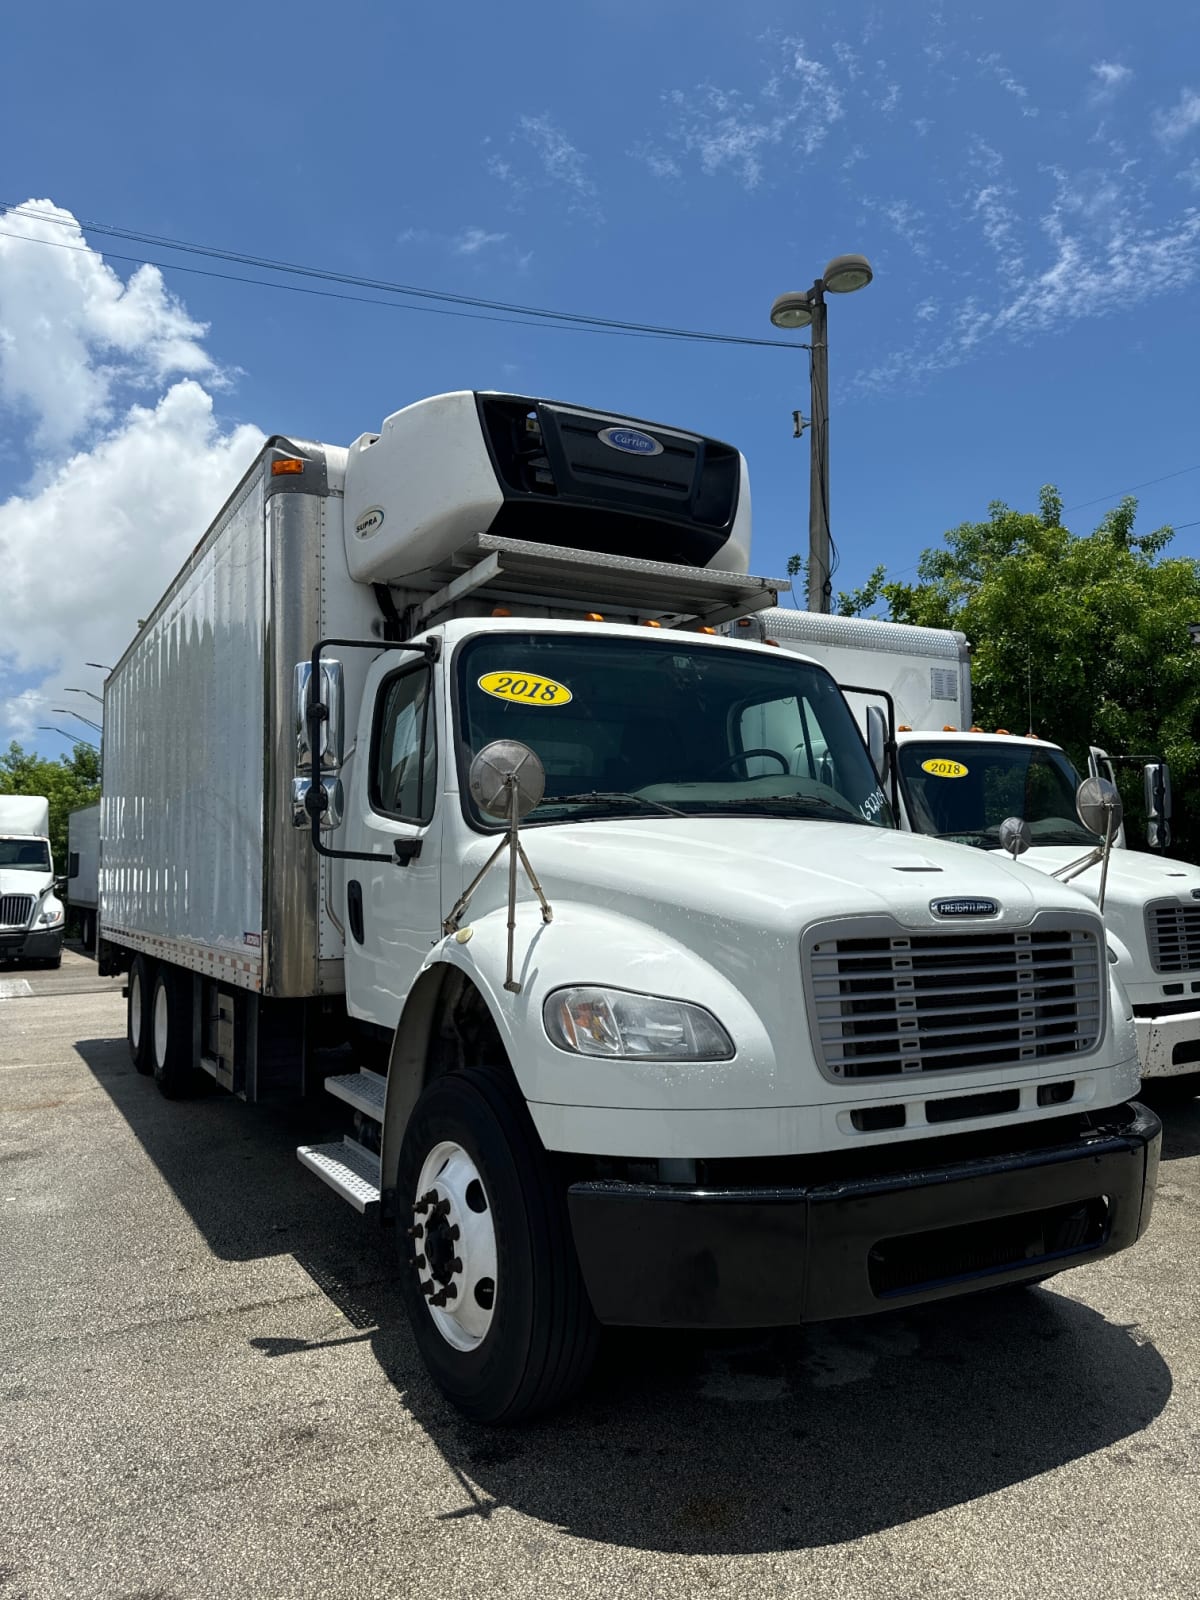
(160, 1025)
(454, 1246)
(135, 1010)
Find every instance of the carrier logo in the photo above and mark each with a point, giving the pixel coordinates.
(370, 522)
(630, 441)
(964, 908)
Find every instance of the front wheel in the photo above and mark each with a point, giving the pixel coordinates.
(489, 1275)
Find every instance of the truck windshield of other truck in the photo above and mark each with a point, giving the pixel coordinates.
(629, 727)
(25, 855)
(963, 791)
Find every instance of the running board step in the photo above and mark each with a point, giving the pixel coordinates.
(364, 1091)
(347, 1168)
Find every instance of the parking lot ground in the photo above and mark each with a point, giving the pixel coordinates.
(207, 1389)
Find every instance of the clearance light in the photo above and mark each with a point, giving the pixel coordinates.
(1031, 735)
(1005, 732)
(706, 630)
(975, 728)
(593, 616)
(501, 611)
(948, 727)
(286, 465)
(743, 622)
(651, 623)
(904, 728)
(773, 642)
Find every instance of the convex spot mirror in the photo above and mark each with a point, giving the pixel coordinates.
(506, 776)
(1015, 836)
(1097, 801)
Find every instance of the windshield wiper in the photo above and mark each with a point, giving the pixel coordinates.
(611, 797)
(806, 801)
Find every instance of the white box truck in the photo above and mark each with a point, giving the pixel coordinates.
(83, 871)
(435, 735)
(958, 782)
(32, 918)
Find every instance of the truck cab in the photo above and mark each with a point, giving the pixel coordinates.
(959, 783)
(32, 916)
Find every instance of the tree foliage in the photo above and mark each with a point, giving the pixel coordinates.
(1082, 639)
(68, 783)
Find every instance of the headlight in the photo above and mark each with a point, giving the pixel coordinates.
(49, 918)
(642, 1027)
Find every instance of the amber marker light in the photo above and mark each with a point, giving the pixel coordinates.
(286, 465)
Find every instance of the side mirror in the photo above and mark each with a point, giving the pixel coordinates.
(877, 735)
(327, 799)
(1015, 836)
(1098, 803)
(332, 695)
(1156, 782)
(59, 886)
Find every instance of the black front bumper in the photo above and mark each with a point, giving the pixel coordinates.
(657, 1255)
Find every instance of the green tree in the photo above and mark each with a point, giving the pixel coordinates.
(1080, 638)
(68, 783)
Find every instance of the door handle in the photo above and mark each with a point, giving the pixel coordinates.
(354, 909)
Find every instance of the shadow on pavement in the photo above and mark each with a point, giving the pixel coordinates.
(1180, 1119)
(714, 1444)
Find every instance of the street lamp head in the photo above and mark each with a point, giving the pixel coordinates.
(844, 274)
(792, 310)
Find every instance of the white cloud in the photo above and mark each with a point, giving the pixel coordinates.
(1176, 123)
(72, 333)
(890, 100)
(472, 240)
(1110, 76)
(102, 527)
(993, 65)
(564, 166)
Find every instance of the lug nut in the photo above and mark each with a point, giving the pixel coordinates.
(456, 1265)
(450, 1292)
(416, 1231)
(453, 1231)
(442, 1208)
(427, 1287)
(418, 1261)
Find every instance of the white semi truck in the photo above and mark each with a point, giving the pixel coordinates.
(31, 914)
(955, 781)
(710, 1043)
(83, 871)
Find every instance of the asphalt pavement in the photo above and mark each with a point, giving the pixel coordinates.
(207, 1389)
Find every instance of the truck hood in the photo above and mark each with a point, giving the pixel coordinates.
(777, 873)
(1133, 877)
(16, 880)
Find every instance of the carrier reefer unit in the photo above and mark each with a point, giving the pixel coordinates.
(959, 782)
(661, 1021)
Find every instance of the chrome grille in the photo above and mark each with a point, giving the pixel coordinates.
(947, 1002)
(1173, 930)
(15, 909)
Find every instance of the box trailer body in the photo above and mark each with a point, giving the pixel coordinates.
(83, 871)
(960, 782)
(707, 1001)
(32, 918)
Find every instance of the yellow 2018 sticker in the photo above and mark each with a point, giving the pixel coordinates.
(940, 768)
(525, 688)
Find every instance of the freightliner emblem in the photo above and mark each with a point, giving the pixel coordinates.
(964, 908)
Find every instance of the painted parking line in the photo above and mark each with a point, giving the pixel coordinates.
(15, 988)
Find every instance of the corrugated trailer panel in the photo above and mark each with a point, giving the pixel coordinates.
(183, 804)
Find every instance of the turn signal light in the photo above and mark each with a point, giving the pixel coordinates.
(285, 465)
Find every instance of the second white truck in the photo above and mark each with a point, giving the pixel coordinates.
(660, 1021)
(960, 783)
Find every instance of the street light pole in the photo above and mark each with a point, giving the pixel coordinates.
(804, 309)
(820, 587)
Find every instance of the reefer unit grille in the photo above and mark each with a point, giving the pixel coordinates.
(1173, 929)
(949, 1002)
(15, 910)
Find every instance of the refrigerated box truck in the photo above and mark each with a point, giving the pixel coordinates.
(31, 914)
(959, 782)
(434, 738)
(83, 871)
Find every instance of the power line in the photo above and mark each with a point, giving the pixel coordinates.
(1100, 498)
(525, 316)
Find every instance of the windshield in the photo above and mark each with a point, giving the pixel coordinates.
(666, 726)
(963, 790)
(25, 855)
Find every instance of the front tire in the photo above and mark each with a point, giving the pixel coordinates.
(171, 1033)
(137, 1014)
(491, 1282)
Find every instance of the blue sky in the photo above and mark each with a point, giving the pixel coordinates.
(1024, 178)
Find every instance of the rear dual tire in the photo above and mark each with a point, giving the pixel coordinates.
(158, 1026)
(137, 1014)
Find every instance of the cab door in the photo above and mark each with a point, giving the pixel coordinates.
(392, 903)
